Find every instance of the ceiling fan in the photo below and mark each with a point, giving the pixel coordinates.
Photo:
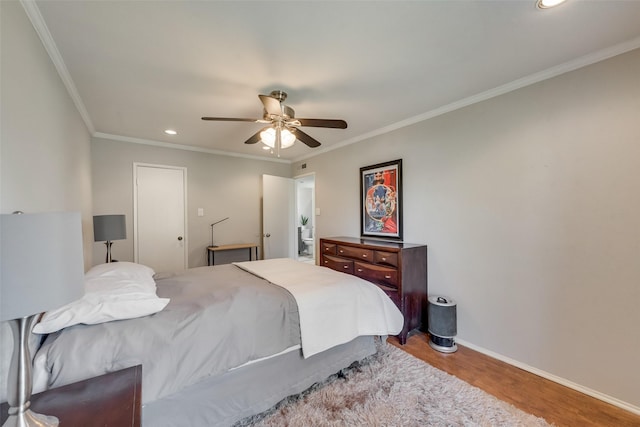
(283, 129)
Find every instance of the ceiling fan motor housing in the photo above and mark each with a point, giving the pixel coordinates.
(288, 112)
(280, 95)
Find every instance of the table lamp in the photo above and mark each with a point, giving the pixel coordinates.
(107, 228)
(217, 222)
(32, 284)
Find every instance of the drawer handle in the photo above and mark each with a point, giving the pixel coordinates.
(384, 259)
(341, 251)
(364, 255)
(387, 277)
(326, 262)
(359, 270)
(345, 266)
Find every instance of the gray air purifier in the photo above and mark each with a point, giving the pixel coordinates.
(442, 324)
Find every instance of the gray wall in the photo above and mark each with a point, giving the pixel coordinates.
(44, 144)
(223, 186)
(529, 203)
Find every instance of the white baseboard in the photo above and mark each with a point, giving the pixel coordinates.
(562, 381)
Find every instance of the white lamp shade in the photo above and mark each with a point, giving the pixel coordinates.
(109, 227)
(268, 137)
(42, 262)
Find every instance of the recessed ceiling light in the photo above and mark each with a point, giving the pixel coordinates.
(170, 132)
(547, 4)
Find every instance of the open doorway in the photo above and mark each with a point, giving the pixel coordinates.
(305, 188)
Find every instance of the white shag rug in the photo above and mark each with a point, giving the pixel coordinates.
(393, 388)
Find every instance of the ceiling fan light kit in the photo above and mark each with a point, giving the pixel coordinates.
(268, 137)
(283, 131)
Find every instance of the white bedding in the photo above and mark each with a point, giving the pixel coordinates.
(350, 306)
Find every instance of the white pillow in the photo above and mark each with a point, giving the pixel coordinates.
(114, 291)
(125, 270)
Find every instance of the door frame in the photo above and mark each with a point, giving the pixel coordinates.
(313, 210)
(135, 207)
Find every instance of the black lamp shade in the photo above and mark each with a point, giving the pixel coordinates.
(109, 227)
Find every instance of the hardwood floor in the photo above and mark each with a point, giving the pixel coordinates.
(557, 404)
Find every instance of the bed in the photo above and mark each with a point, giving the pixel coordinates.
(217, 344)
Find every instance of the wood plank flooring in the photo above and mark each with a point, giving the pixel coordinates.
(557, 404)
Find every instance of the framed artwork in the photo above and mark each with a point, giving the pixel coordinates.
(381, 200)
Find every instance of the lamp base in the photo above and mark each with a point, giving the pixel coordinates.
(19, 381)
(29, 418)
(108, 243)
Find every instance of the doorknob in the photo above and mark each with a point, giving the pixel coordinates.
(179, 237)
(267, 235)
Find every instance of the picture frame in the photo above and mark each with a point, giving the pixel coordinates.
(381, 200)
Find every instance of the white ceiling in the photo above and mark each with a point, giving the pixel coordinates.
(136, 68)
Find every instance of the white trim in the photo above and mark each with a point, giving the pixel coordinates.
(135, 207)
(38, 22)
(556, 379)
(183, 147)
(575, 64)
(41, 28)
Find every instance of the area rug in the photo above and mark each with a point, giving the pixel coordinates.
(393, 388)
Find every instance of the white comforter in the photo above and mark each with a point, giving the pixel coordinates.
(334, 307)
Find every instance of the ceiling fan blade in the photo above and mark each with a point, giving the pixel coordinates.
(271, 105)
(230, 119)
(255, 137)
(311, 142)
(323, 123)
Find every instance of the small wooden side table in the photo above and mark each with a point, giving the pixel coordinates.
(112, 400)
(211, 250)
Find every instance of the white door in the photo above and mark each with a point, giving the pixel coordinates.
(159, 217)
(278, 195)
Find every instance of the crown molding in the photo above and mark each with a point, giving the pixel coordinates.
(566, 67)
(40, 26)
(173, 146)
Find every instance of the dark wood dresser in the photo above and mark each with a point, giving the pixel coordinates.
(110, 400)
(399, 269)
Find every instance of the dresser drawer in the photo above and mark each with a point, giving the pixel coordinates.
(355, 252)
(338, 264)
(328, 248)
(385, 258)
(376, 274)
